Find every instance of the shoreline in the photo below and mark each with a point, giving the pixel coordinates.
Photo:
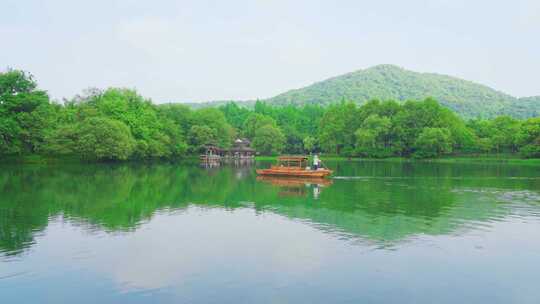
(487, 159)
(497, 159)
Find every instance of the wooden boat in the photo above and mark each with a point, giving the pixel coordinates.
(294, 166)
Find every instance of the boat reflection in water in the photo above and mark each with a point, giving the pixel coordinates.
(297, 186)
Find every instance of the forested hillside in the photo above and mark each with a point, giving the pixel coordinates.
(388, 82)
(119, 124)
(524, 107)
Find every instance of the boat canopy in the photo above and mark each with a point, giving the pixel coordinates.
(293, 158)
(293, 161)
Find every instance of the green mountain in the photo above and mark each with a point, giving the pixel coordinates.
(524, 107)
(467, 98)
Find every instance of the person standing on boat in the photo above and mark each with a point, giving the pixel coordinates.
(316, 162)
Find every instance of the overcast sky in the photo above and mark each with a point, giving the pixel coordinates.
(212, 50)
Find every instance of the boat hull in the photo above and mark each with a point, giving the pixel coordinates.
(294, 172)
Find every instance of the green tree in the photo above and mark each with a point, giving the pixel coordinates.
(293, 140)
(483, 145)
(504, 130)
(309, 144)
(199, 136)
(214, 119)
(150, 127)
(433, 142)
(235, 115)
(22, 130)
(417, 115)
(104, 139)
(337, 127)
(528, 138)
(181, 115)
(63, 140)
(268, 140)
(174, 139)
(373, 138)
(255, 122)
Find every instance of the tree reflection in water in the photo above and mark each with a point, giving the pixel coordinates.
(381, 202)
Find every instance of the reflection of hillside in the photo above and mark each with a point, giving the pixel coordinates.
(120, 197)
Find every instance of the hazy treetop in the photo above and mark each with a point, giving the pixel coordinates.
(207, 50)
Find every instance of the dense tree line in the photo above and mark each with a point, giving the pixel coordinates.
(119, 124)
(379, 129)
(115, 124)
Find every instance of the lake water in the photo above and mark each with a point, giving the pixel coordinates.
(378, 232)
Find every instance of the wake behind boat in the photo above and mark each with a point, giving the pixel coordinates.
(296, 166)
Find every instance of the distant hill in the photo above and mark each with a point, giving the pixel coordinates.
(525, 107)
(383, 82)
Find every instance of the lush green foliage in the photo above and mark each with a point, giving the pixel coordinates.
(269, 140)
(105, 139)
(387, 82)
(115, 124)
(388, 128)
(420, 129)
(119, 124)
(524, 107)
(528, 138)
(373, 138)
(309, 143)
(432, 142)
(23, 113)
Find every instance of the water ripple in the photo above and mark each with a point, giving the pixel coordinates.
(13, 275)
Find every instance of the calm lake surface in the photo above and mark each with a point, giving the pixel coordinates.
(378, 232)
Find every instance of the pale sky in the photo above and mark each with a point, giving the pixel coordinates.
(179, 51)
